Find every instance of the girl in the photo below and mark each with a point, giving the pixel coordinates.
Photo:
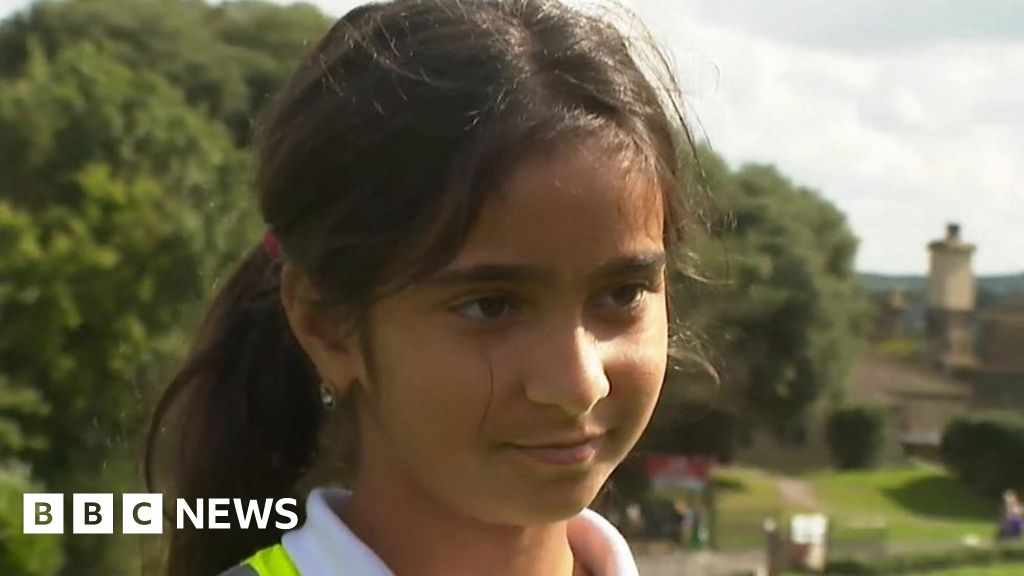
(473, 207)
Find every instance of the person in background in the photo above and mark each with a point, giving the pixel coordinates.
(1012, 521)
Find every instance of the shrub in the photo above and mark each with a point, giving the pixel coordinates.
(926, 562)
(856, 435)
(986, 451)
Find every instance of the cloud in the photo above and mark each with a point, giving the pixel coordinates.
(902, 137)
(867, 25)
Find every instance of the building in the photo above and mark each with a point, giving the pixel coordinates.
(973, 358)
(1001, 335)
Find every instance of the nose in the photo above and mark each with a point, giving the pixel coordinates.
(571, 374)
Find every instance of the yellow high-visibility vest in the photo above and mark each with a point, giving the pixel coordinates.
(272, 561)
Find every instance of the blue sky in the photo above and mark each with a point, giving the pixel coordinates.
(905, 114)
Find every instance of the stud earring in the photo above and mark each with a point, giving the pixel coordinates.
(327, 396)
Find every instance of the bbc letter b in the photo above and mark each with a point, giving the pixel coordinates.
(93, 514)
(43, 513)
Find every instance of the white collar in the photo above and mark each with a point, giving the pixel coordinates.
(325, 546)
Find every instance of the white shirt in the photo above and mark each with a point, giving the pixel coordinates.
(324, 545)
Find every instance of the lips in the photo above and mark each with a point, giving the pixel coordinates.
(571, 452)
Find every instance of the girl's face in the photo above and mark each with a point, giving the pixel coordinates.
(510, 384)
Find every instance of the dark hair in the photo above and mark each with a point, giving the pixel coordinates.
(373, 162)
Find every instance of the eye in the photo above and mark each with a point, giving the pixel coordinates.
(491, 307)
(625, 296)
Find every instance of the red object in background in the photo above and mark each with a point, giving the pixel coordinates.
(679, 471)
(271, 245)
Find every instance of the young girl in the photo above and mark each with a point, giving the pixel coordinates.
(473, 208)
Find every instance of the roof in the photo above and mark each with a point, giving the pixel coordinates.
(877, 378)
(1012, 304)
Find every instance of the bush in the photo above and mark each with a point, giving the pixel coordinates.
(926, 562)
(986, 451)
(856, 435)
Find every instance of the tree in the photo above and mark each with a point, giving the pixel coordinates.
(782, 310)
(119, 207)
(227, 59)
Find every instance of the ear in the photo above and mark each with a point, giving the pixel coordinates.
(332, 346)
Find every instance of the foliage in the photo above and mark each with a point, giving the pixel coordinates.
(20, 554)
(856, 435)
(18, 404)
(783, 309)
(119, 206)
(693, 428)
(986, 451)
(227, 59)
(121, 201)
(930, 562)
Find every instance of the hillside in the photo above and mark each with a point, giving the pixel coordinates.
(996, 285)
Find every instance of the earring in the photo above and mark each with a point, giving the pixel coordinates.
(327, 396)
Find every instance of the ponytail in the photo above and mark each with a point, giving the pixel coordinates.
(248, 412)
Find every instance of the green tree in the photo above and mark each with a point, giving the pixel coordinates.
(781, 309)
(119, 207)
(227, 59)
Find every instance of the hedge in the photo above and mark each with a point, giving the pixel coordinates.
(856, 435)
(986, 451)
(923, 562)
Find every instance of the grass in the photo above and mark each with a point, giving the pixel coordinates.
(745, 497)
(991, 570)
(917, 505)
(994, 570)
(871, 512)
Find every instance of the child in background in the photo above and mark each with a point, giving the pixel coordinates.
(473, 209)
(1012, 522)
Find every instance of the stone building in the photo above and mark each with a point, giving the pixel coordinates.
(973, 359)
(1001, 335)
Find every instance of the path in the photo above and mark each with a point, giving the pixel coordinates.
(797, 493)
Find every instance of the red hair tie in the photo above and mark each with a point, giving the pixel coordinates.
(271, 245)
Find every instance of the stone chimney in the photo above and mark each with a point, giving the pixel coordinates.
(951, 293)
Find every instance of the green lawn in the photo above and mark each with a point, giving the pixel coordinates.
(905, 508)
(996, 570)
(745, 497)
(917, 505)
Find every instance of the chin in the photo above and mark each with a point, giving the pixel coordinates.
(557, 502)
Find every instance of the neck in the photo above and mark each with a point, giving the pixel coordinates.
(415, 534)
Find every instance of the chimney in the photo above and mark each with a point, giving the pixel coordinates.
(952, 232)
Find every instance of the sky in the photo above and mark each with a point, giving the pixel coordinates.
(906, 115)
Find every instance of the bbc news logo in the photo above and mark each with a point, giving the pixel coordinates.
(143, 513)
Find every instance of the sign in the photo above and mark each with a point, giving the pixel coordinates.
(678, 472)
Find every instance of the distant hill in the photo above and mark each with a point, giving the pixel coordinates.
(886, 282)
(996, 285)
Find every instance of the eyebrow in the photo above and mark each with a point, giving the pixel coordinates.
(648, 264)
